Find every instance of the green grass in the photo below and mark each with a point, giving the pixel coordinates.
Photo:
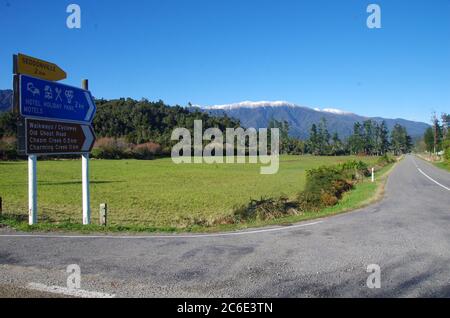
(362, 195)
(443, 165)
(154, 195)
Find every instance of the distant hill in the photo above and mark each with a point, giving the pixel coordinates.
(300, 119)
(137, 122)
(5, 99)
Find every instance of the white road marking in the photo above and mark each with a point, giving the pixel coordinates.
(430, 178)
(80, 293)
(439, 184)
(277, 229)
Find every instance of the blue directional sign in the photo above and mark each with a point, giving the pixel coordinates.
(42, 99)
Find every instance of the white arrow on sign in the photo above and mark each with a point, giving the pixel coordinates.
(91, 106)
(90, 138)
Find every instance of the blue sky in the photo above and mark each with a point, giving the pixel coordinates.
(316, 53)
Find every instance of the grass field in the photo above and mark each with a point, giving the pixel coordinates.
(362, 195)
(154, 193)
(443, 165)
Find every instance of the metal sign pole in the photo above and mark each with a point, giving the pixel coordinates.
(32, 190)
(86, 196)
(85, 177)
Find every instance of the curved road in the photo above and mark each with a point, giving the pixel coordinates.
(407, 234)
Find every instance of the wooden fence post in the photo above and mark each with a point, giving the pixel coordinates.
(103, 214)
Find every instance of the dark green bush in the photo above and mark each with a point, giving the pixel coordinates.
(309, 201)
(446, 146)
(321, 178)
(385, 160)
(8, 148)
(264, 209)
(355, 170)
(325, 186)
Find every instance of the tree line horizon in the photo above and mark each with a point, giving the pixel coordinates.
(128, 122)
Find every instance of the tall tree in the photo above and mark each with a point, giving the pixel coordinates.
(324, 137)
(283, 127)
(401, 142)
(313, 142)
(337, 147)
(383, 138)
(438, 134)
(446, 136)
(428, 138)
(369, 137)
(445, 119)
(356, 141)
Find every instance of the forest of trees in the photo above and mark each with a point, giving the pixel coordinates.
(435, 136)
(436, 139)
(143, 121)
(130, 128)
(368, 138)
(127, 128)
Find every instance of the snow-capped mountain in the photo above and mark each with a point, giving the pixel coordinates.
(249, 104)
(300, 118)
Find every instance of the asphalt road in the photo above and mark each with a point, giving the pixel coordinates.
(407, 234)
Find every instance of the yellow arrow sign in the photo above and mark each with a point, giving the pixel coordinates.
(28, 65)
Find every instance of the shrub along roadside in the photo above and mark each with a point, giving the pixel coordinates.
(104, 148)
(8, 148)
(119, 148)
(385, 160)
(324, 188)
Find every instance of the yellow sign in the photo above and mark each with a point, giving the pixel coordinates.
(38, 68)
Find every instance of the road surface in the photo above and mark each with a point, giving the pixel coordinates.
(407, 234)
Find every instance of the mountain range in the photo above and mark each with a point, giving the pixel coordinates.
(300, 118)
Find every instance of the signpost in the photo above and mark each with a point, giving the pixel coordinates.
(42, 137)
(28, 65)
(42, 99)
(85, 178)
(55, 120)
